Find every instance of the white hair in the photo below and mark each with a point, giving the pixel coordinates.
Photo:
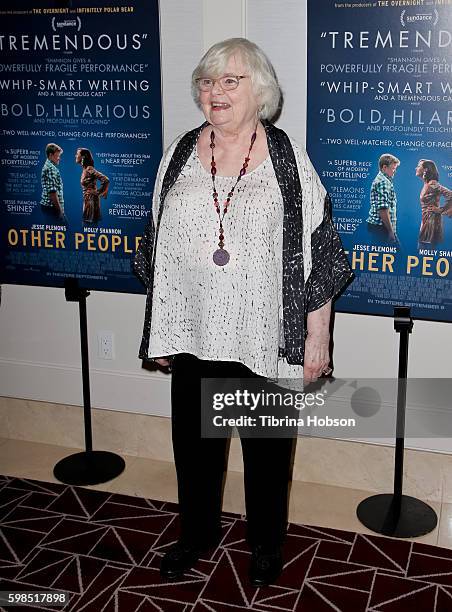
(263, 78)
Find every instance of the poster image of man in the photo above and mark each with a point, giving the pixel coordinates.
(382, 218)
(89, 181)
(431, 231)
(52, 198)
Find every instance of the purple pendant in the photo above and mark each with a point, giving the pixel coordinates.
(221, 257)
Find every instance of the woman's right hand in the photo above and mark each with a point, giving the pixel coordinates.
(163, 362)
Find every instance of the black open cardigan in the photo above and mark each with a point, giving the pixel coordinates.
(330, 268)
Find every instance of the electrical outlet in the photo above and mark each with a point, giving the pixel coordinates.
(106, 345)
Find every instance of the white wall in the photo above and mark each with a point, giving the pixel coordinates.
(39, 344)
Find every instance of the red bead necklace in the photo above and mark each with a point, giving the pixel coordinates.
(221, 256)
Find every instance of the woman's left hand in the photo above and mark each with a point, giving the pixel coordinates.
(316, 357)
(317, 343)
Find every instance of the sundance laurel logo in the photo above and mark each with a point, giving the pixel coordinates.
(419, 16)
(60, 24)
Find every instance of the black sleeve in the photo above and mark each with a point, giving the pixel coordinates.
(331, 270)
(143, 258)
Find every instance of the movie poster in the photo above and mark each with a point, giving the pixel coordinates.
(379, 133)
(80, 139)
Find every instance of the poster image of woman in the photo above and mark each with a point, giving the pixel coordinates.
(431, 230)
(89, 181)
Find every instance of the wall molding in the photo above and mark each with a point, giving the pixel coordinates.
(344, 463)
(142, 393)
(149, 393)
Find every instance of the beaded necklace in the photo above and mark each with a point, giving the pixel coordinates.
(221, 256)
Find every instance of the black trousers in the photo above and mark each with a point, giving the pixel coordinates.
(201, 463)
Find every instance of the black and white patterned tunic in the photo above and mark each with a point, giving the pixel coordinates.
(286, 260)
(229, 313)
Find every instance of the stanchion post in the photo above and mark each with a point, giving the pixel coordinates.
(89, 467)
(395, 514)
(76, 294)
(403, 325)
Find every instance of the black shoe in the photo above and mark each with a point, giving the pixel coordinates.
(179, 558)
(265, 567)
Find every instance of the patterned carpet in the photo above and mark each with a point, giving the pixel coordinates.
(104, 550)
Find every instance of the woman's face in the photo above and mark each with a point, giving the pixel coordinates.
(234, 109)
(419, 169)
(78, 157)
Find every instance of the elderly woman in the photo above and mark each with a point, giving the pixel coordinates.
(241, 261)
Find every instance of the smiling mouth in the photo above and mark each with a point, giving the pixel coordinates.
(220, 105)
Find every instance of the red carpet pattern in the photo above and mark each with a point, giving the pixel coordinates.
(103, 549)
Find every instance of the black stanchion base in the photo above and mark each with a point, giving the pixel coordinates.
(413, 518)
(89, 468)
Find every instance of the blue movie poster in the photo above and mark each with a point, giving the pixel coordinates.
(80, 139)
(380, 136)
